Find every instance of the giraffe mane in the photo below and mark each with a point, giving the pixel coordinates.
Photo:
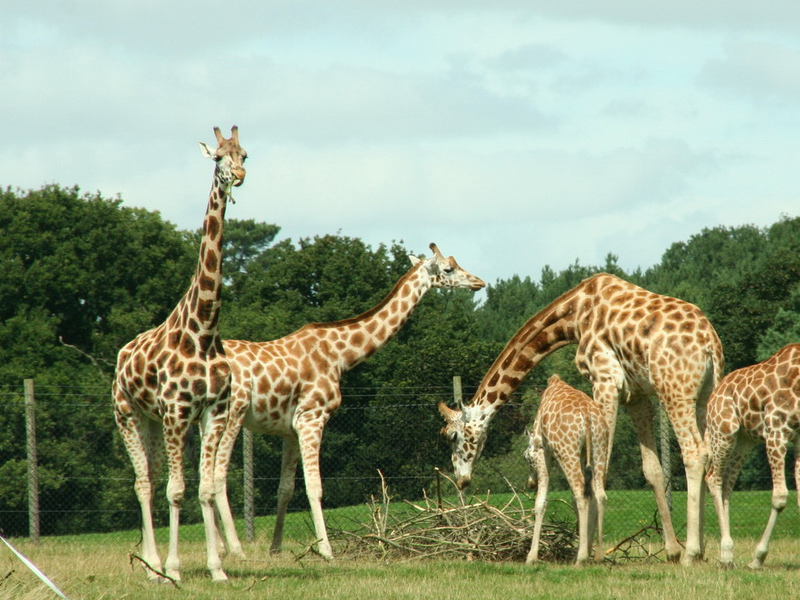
(375, 309)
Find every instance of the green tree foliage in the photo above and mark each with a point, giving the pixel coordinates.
(744, 308)
(84, 274)
(97, 272)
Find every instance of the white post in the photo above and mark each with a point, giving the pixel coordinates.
(666, 457)
(247, 466)
(457, 389)
(33, 466)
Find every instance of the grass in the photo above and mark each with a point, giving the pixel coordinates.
(95, 567)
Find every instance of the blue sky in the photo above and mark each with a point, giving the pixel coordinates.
(514, 134)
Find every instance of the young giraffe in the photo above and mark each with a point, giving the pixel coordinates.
(759, 403)
(632, 344)
(169, 376)
(568, 422)
(290, 387)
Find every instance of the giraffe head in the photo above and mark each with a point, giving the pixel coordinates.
(230, 157)
(446, 272)
(465, 429)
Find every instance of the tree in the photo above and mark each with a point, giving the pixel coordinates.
(82, 276)
(100, 271)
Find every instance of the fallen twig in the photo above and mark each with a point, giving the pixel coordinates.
(147, 566)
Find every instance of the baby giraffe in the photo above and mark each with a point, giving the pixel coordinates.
(759, 403)
(567, 424)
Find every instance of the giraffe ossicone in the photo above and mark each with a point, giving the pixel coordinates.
(751, 405)
(176, 374)
(290, 387)
(632, 345)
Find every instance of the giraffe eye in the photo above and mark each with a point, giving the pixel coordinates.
(453, 437)
(449, 270)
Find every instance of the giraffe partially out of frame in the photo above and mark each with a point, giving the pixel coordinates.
(759, 403)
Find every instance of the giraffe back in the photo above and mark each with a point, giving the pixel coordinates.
(756, 398)
(277, 377)
(661, 345)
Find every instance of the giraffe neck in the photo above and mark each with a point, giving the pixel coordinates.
(553, 327)
(360, 337)
(198, 310)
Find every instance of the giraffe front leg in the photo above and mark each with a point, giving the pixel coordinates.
(309, 430)
(213, 426)
(224, 452)
(540, 466)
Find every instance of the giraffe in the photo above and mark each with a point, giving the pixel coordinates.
(759, 403)
(632, 344)
(290, 387)
(168, 377)
(568, 422)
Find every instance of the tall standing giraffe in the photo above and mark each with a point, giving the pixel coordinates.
(169, 376)
(290, 387)
(759, 403)
(570, 426)
(632, 344)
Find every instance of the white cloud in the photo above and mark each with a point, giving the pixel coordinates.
(512, 133)
(757, 70)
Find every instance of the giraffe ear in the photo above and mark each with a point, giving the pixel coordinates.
(207, 150)
(414, 260)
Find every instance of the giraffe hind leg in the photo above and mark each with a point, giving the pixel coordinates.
(641, 413)
(776, 456)
(289, 458)
(144, 444)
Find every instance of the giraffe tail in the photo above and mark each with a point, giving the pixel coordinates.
(588, 470)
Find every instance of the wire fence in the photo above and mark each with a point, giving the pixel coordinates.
(83, 482)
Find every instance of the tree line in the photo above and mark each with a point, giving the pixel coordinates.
(84, 274)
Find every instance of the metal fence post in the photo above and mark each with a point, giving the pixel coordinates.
(666, 456)
(33, 466)
(457, 389)
(247, 465)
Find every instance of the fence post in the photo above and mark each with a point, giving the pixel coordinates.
(33, 463)
(666, 456)
(247, 465)
(457, 389)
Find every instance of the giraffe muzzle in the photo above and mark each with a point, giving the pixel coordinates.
(477, 285)
(238, 177)
(463, 482)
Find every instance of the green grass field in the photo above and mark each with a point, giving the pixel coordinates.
(95, 567)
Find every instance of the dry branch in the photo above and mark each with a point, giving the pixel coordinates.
(438, 529)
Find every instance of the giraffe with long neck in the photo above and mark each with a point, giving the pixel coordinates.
(570, 426)
(632, 345)
(290, 387)
(759, 403)
(172, 375)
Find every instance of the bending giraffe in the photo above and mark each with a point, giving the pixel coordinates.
(571, 427)
(759, 403)
(632, 344)
(172, 375)
(290, 387)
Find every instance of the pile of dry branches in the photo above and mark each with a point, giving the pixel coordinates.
(474, 530)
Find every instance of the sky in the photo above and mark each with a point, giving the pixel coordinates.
(515, 134)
